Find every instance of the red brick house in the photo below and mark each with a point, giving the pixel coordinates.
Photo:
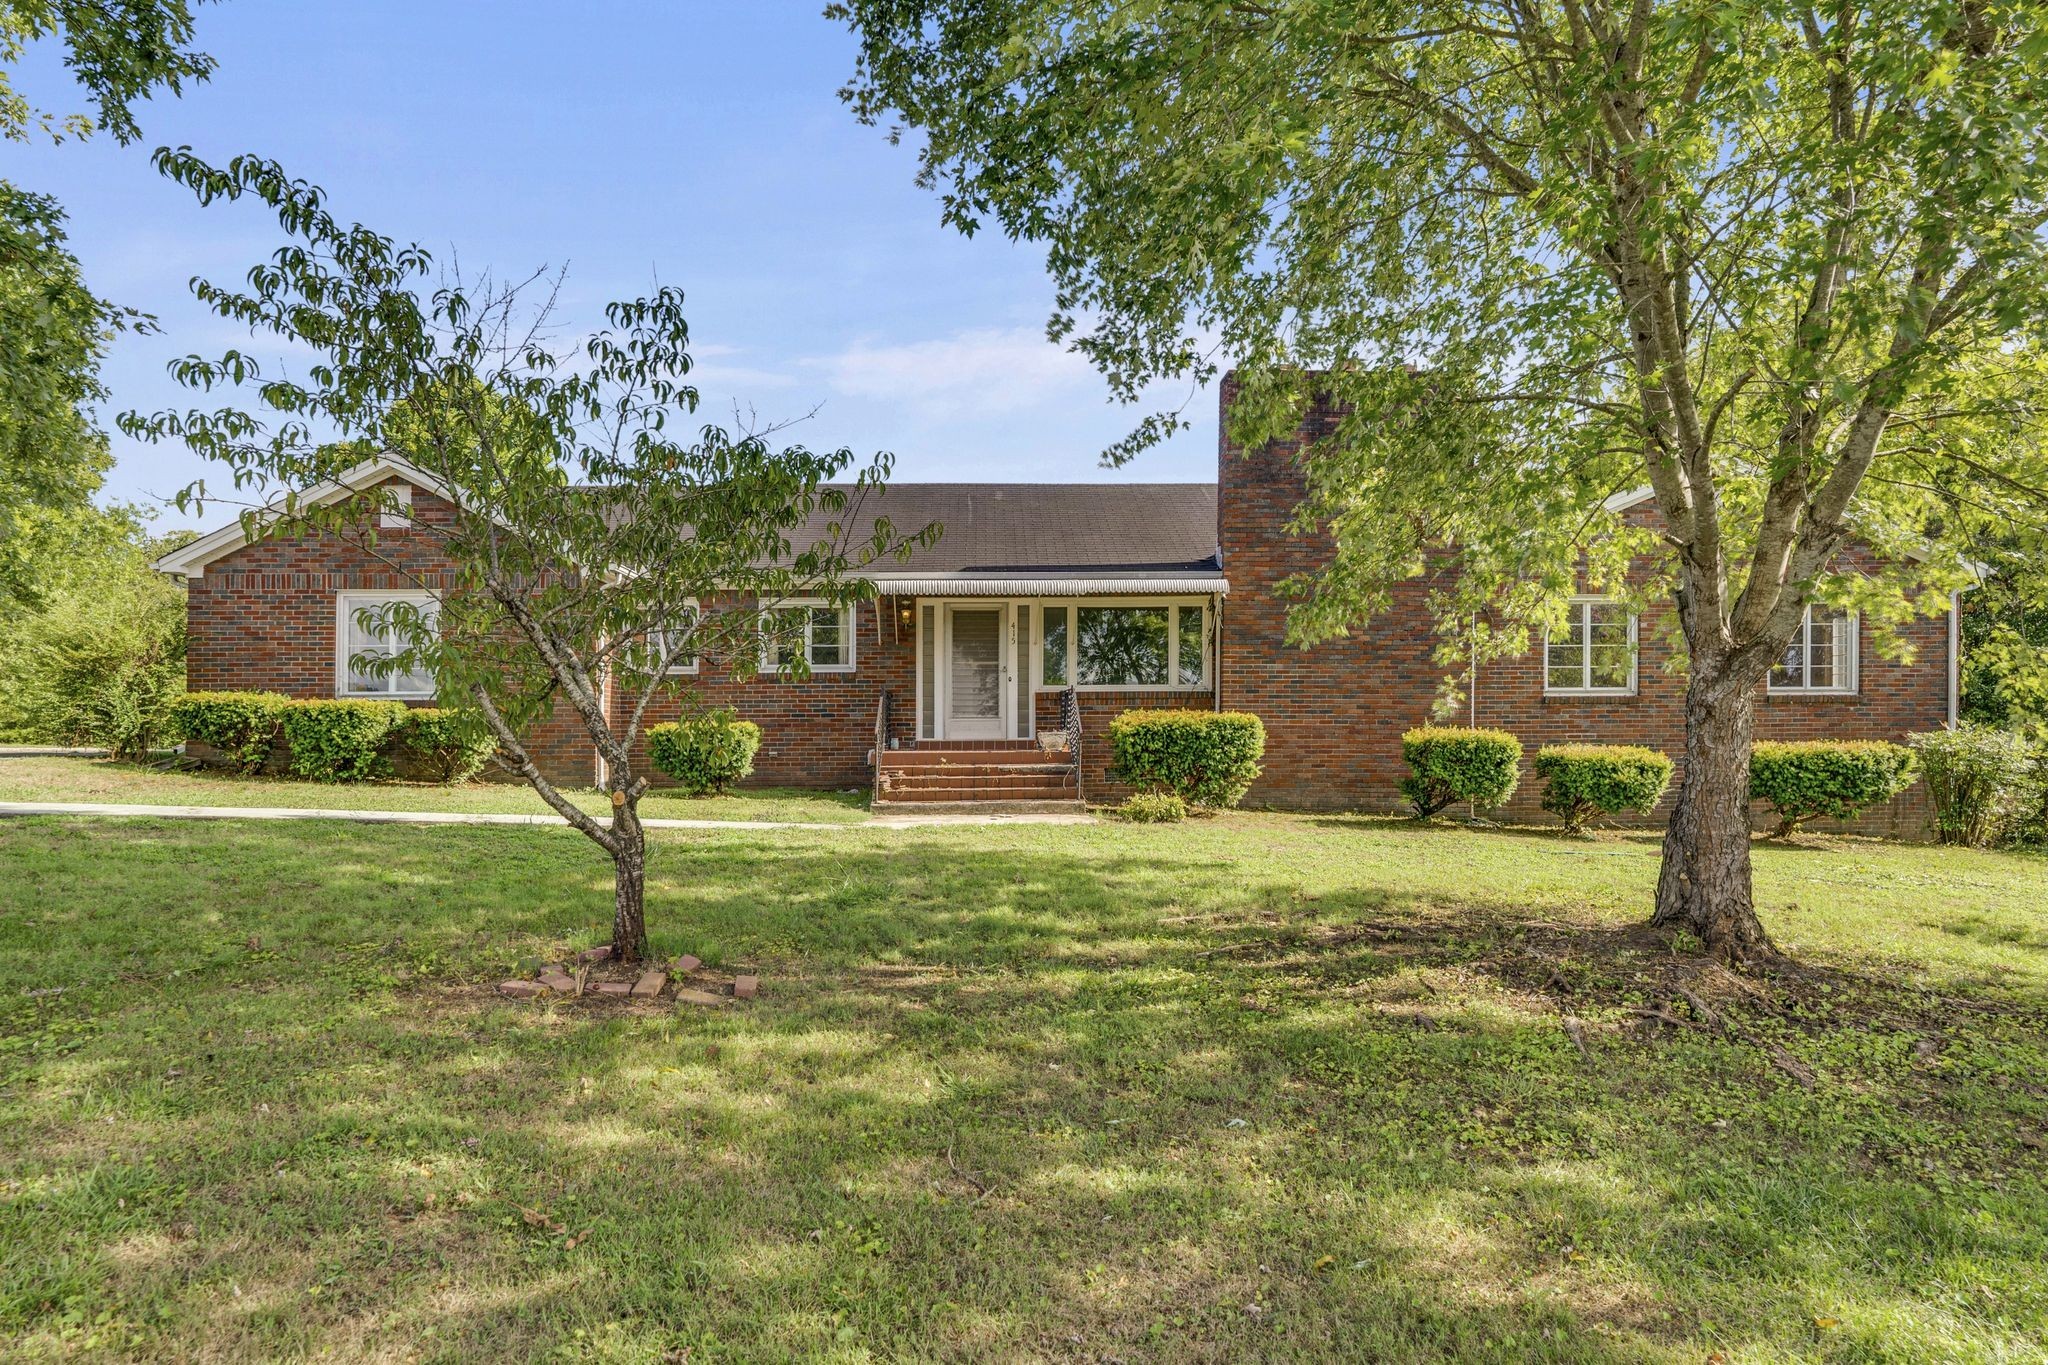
(1099, 597)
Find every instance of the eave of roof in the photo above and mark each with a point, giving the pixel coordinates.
(193, 557)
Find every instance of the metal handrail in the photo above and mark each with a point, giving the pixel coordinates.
(881, 738)
(1070, 721)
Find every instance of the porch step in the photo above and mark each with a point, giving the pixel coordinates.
(991, 788)
(1069, 806)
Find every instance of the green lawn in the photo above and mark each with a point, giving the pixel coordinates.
(82, 779)
(1261, 1087)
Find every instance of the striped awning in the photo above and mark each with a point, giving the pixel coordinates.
(1052, 587)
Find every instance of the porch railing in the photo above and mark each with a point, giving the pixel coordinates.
(1070, 721)
(881, 739)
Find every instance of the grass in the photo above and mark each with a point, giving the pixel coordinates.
(97, 780)
(1261, 1087)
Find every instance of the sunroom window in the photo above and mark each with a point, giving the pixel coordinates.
(1821, 656)
(1596, 651)
(1123, 644)
(364, 633)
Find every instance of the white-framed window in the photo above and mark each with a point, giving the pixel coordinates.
(1595, 654)
(656, 643)
(1822, 655)
(395, 505)
(815, 631)
(357, 640)
(1113, 644)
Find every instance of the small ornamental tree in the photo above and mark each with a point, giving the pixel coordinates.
(594, 544)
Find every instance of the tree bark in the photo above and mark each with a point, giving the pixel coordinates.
(1704, 886)
(629, 870)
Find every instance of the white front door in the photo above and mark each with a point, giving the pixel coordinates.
(973, 689)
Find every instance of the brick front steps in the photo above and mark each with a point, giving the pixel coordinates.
(976, 774)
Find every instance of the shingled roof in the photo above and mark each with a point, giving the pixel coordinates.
(1023, 530)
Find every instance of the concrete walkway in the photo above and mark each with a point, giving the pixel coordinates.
(419, 817)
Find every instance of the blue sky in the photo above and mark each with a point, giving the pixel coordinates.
(700, 142)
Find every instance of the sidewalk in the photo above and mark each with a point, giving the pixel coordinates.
(409, 817)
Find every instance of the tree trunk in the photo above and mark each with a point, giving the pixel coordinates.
(1704, 886)
(629, 897)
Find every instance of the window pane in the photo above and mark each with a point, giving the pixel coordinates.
(1053, 665)
(1611, 665)
(1120, 646)
(828, 637)
(785, 630)
(364, 643)
(1191, 647)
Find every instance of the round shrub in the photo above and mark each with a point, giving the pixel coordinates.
(1449, 763)
(1802, 779)
(706, 753)
(1977, 781)
(1153, 808)
(443, 744)
(340, 741)
(1206, 758)
(1584, 780)
(239, 726)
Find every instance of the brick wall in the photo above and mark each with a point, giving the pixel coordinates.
(1335, 714)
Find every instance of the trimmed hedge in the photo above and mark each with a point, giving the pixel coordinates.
(443, 744)
(1584, 780)
(240, 726)
(1449, 763)
(1802, 779)
(340, 741)
(1977, 782)
(1154, 808)
(1206, 758)
(706, 753)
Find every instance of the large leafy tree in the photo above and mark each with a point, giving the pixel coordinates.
(595, 542)
(1770, 259)
(53, 329)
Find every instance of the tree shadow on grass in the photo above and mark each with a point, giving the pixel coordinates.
(1000, 1099)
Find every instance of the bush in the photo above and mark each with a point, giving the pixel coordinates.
(1584, 780)
(1450, 764)
(707, 753)
(340, 741)
(1976, 780)
(2029, 823)
(97, 654)
(1836, 778)
(1206, 758)
(443, 744)
(240, 726)
(1154, 808)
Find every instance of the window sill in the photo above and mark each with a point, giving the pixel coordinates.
(384, 696)
(1590, 692)
(1055, 688)
(1812, 693)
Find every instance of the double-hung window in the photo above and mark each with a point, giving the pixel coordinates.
(818, 634)
(1595, 653)
(682, 635)
(1821, 656)
(367, 629)
(1123, 644)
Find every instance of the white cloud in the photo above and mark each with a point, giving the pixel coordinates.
(979, 372)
